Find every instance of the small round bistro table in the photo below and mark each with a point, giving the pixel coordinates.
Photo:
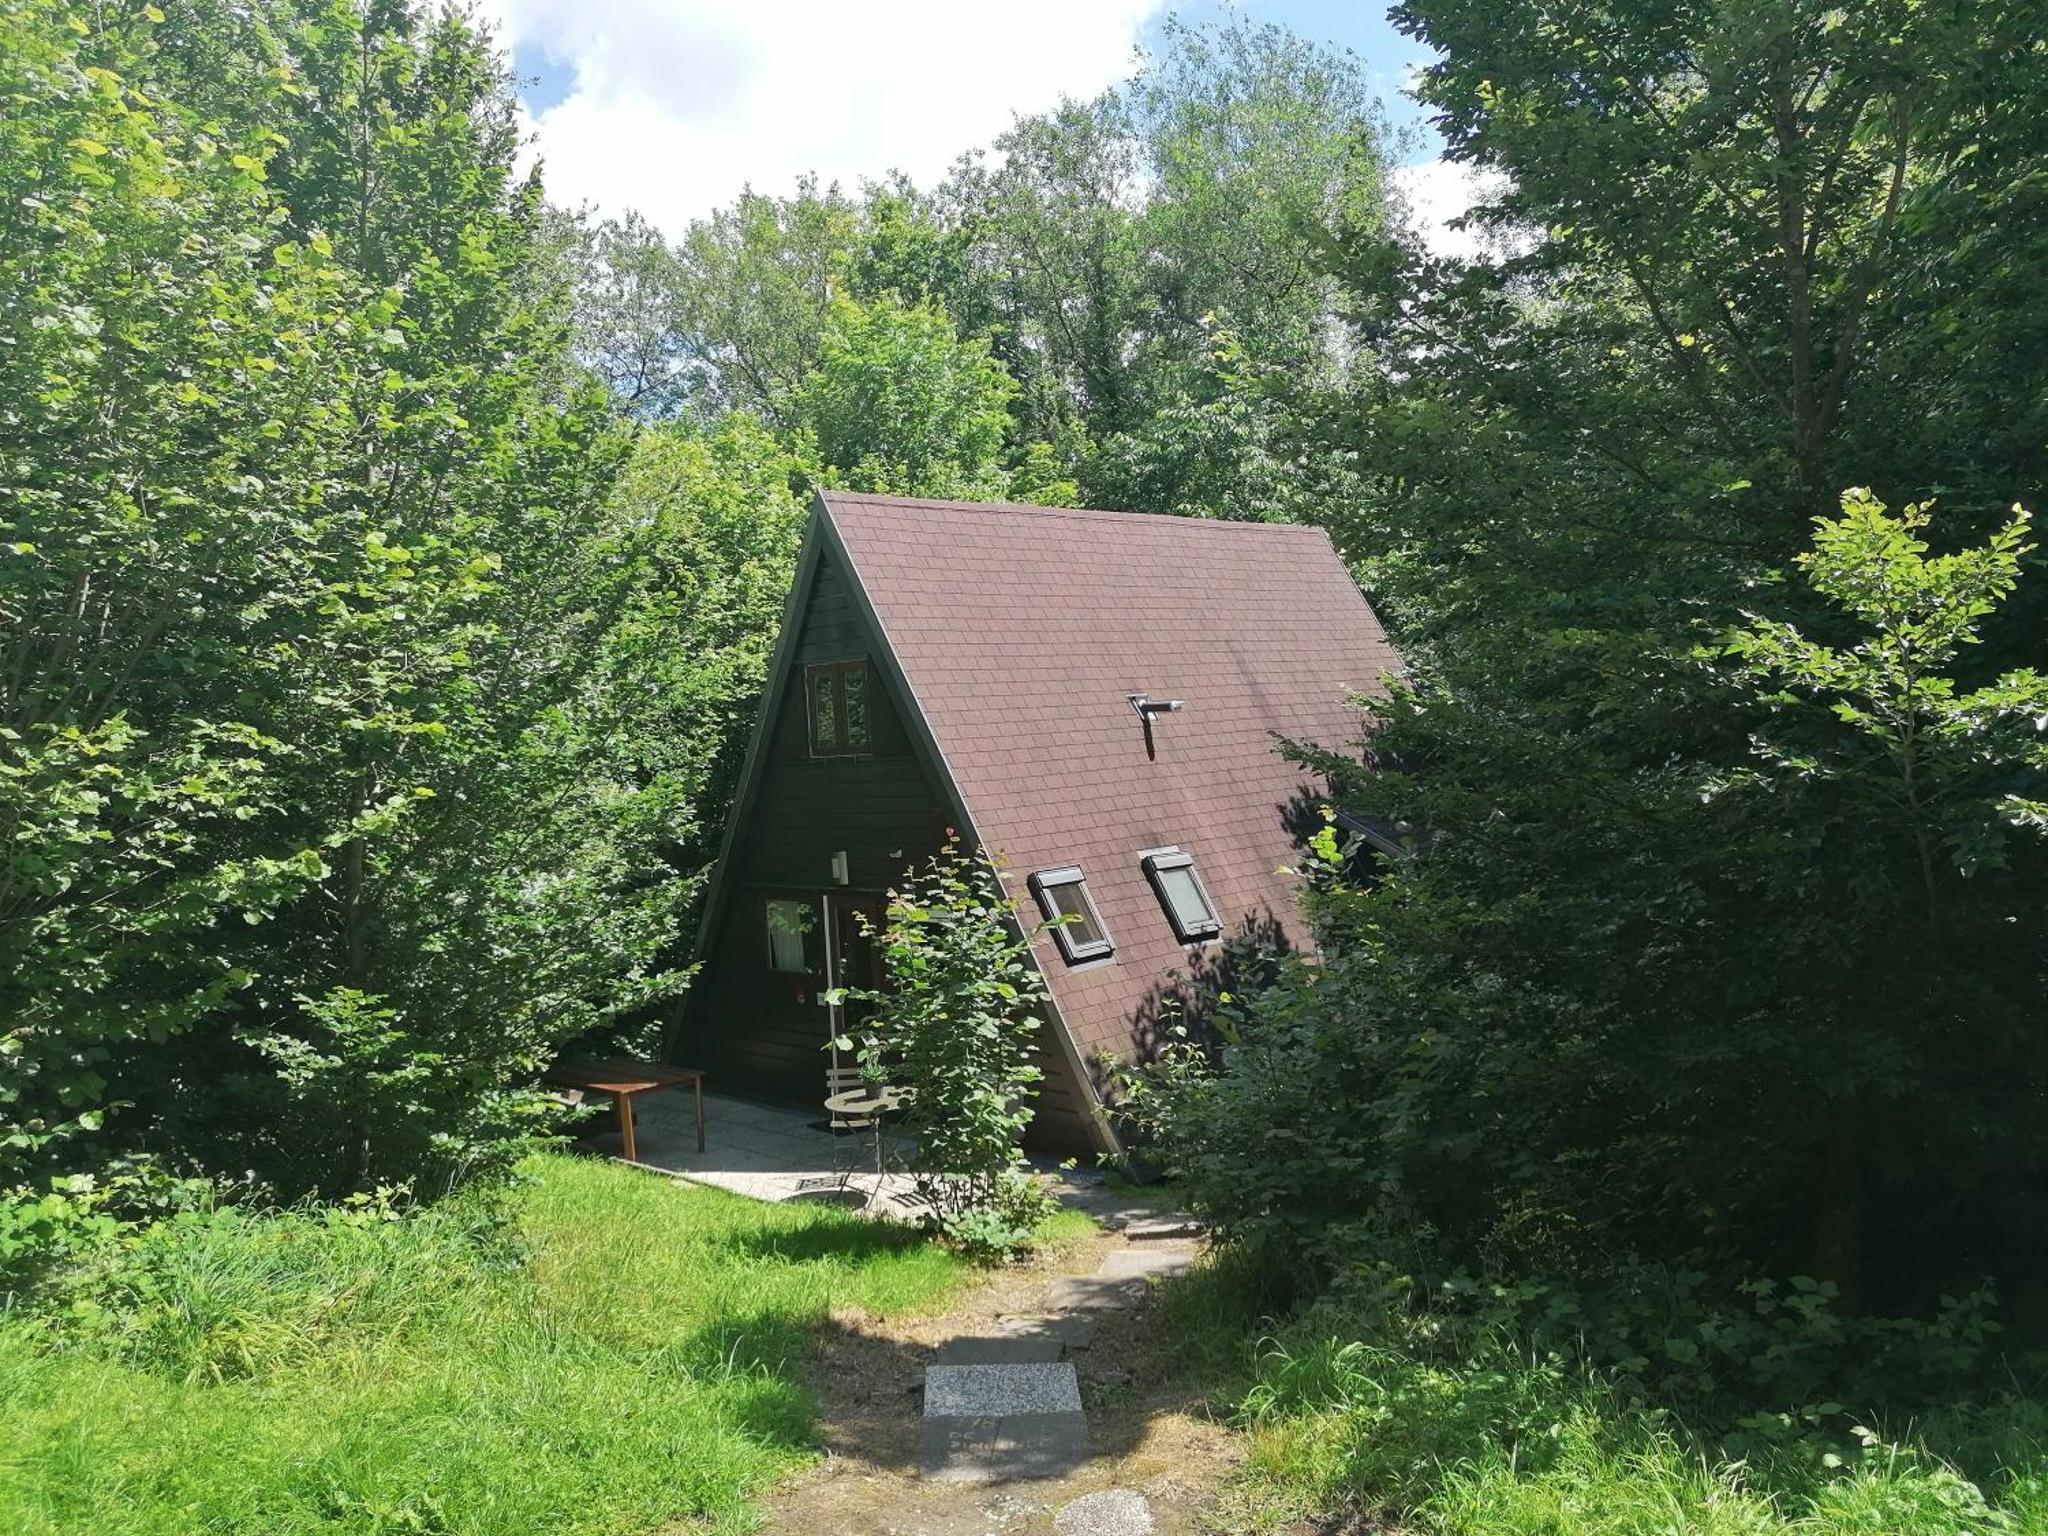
(873, 1104)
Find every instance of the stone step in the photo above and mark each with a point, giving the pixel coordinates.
(1162, 1228)
(1122, 1278)
(1151, 1261)
(1112, 1512)
(986, 1422)
(1008, 1449)
(1002, 1349)
(970, 1391)
(1094, 1293)
(1071, 1330)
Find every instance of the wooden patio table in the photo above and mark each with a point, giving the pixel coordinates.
(625, 1079)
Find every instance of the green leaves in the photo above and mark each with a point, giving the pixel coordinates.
(327, 708)
(1946, 766)
(1126, 308)
(954, 1025)
(898, 404)
(1681, 936)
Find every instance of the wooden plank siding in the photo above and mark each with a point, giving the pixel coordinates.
(761, 1032)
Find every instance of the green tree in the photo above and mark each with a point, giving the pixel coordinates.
(751, 305)
(624, 277)
(723, 522)
(1947, 772)
(1760, 179)
(1430, 1078)
(1915, 787)
(330, 710)
(1610, 1009)
(174, 418)
(1145, 267)
(446, 726)
(1154, 260)
(899, 403)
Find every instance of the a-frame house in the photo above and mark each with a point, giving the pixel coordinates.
(1095, 697)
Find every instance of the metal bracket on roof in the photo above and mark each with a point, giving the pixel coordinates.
(1146, 708)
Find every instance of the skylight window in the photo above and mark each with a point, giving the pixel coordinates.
(1181, 893)
(1076, 926)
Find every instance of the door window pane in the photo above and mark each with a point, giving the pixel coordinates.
(792, 936)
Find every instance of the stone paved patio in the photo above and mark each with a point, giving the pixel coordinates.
(763, 1151)
(782, 1152)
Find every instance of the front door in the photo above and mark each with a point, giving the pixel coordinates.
(850, 960)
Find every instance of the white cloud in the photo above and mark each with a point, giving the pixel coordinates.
(1438, 191)
(677, 104)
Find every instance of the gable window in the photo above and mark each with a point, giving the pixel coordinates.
(1182, 894)
(795, 941)
(1076, 926)
(837, 695)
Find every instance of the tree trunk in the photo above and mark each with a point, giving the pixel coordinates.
(1838, 1212)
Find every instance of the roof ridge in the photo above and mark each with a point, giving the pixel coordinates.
(1007, 508)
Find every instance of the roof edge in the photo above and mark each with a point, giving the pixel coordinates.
(868, 498)
(1100, 1131)
(749, 781)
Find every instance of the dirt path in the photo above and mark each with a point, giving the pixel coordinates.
(1147, 1431)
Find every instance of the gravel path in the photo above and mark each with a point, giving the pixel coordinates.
(1044, 1404)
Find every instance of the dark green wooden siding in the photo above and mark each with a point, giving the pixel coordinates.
(757, 1031)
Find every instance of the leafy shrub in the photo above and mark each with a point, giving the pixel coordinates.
(1459, 1411)
(80, 1215)
(1004, 1221)
(40, 1231)
(954, 1027)
(1482, 1068)
(1741, 1354)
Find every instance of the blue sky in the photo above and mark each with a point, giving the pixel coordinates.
(673, 106)
(545, 80)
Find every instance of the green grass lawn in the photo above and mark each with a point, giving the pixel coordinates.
(1430, 1431)
(618, 1358)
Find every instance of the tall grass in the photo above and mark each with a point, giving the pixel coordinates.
(1445, 1430)
(615, 1356)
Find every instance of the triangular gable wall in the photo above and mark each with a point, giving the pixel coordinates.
(789, 815)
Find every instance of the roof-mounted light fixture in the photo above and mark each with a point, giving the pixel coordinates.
(1148, 709)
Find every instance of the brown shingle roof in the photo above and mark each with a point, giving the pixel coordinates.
(1021, 631)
